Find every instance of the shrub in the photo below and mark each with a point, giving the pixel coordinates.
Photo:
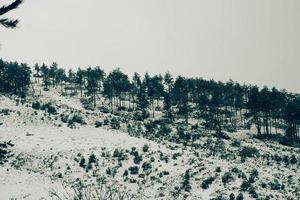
(92, 158)
(104, 109)
(19, 161)
(145, 148)
(236, 143)
(253, 193)
(98, 124)
(116, 153)
(245, 185)
(115, 123)
(137, 159)
(49, 108)
(64, 118)
(275, 185)
(186, 181)
(175, 155)
(293, 159)
(165, 129)
(142, 175)
(227, 177)
(109, 171)
(152, 159)
(133, 169)
(119, 154)
(218, 169)
(106, 121)
(36, 105)
(87, 103)
(206, 182)
(240, 196)
(5, 152)
(219, 197)
(5, 111)
(77, 119)
(140, 116)
(231, 196)
(82, 162)
(253, 175)
(146, 166)
(248, 152)
(125, 173)
(88, 167)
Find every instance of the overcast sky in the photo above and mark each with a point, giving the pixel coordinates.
(249, 41)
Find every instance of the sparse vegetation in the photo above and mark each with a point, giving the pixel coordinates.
(5, 152)
(187, 137)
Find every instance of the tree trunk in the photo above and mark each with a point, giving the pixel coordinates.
(153, 109)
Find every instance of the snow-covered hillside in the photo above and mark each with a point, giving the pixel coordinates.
(54, 159)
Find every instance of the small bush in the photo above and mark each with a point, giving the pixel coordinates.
(248, 152)
(253, 192)
(146, 166)
(104, 109)
(49, 108)
(236, 143)
(64, 118)
(19, 161)
(106, 121)
(115, 123)
(137, 159)
(82, 162)
(88, 167)
(240, 196)
(186, 181)
(133, 169)
(5, 152)
(275, 185)
(125, 173)
(231, 196)
(119, 154)
(92, 158)
(5, 111)
(253, 176)
(77, 119)
(227, 177)
(145, 148)
(36, 105)
(207, 182)
(293, 159)
(245, 185)
(98, 124)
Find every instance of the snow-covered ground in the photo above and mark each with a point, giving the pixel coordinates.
(48, 155)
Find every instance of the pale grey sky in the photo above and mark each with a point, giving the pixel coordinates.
(251, 41)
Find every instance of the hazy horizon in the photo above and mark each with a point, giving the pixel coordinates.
(252, 42)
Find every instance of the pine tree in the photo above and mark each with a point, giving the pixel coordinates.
(6, 22)
(181, 96)
(143, 100)
(292, 118)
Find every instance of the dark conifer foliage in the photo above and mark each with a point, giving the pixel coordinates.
(6, 22)
(14, 77)
(216, 106)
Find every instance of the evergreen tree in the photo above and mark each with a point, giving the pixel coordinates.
(116, 85)
(45, 75)
(6, 22)
(292, 118)
(143, 100)
(181, 96)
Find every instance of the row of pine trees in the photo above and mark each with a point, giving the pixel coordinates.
(220, 105)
